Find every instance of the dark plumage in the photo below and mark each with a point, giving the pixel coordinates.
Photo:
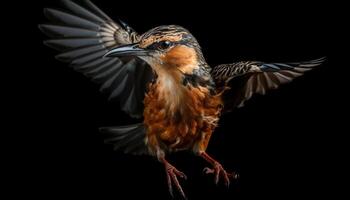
(162, 76)
(256, 77)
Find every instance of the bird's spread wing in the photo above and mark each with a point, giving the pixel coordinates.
(83, 33)
(247, 78)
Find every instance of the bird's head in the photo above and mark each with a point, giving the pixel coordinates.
(165, 49)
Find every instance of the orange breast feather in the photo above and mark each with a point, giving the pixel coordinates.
(188, 125)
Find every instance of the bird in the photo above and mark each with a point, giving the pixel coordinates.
(162, 78)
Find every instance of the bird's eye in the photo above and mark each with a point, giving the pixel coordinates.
(164, 44)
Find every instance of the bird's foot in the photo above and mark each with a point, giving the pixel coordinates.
(218, 171)
(172, 174)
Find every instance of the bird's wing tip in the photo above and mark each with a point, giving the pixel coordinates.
(317, 62)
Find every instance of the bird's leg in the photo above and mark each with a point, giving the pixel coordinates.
(172, 174)
(217, 170)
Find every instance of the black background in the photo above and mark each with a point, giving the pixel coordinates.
(288, 143)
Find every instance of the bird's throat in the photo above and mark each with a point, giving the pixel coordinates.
(171, 91)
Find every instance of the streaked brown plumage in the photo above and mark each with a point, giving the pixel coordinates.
(162, 76)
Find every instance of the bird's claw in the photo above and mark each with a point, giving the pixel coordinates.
(218, 171)
(172, 174)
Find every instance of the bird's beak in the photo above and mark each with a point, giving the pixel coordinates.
(127, 50)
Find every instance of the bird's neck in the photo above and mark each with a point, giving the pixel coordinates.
(176, 91)
(170, 88)
(178, 71)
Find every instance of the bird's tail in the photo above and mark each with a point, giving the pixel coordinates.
(130, 138)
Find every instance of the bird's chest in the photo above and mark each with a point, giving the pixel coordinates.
(178, 118)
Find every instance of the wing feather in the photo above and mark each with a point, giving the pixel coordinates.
(83, 34)
(82, 12)
(67, 19)
(248, 78)
(69, 32)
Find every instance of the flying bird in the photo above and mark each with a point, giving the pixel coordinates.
(161, 77)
